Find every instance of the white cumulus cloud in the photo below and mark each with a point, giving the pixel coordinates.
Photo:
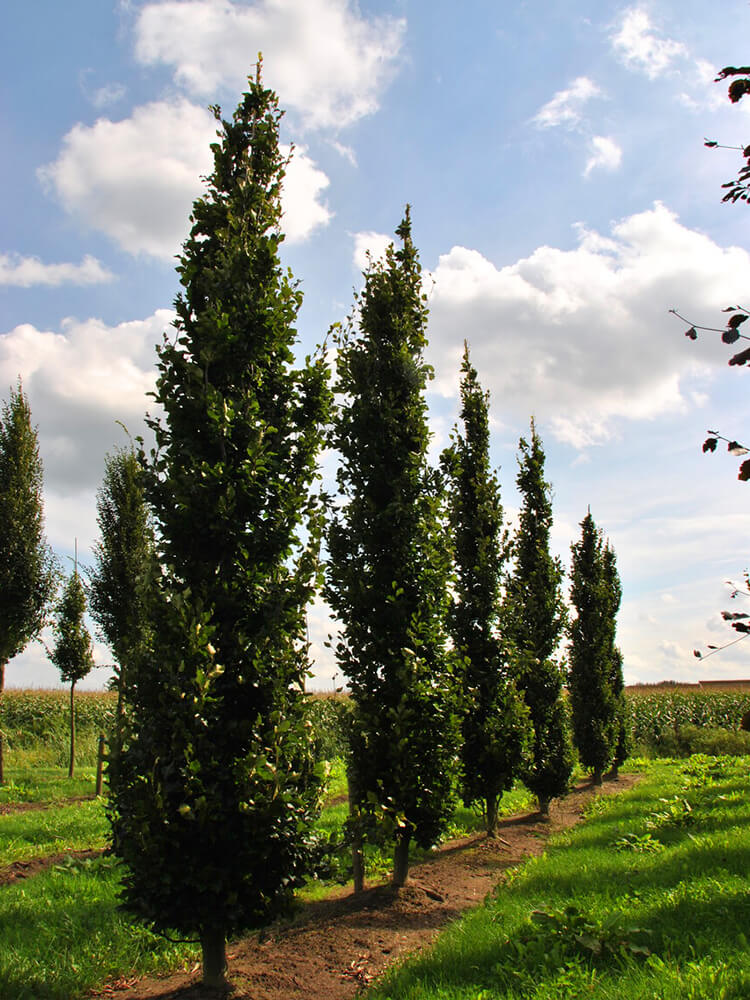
(23, 272)
(303, 184)
(328, 61)
(566, 106)
(640, 46)
(604, 153)
(581, 337)
(136, 179)
(369, 246)
(80, 380)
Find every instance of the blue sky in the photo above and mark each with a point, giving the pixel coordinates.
(562, 201)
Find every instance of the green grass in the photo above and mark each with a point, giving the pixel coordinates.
(39, 832)
(61, 935)
(649, 899)
(32, 781)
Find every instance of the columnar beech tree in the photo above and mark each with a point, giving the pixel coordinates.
(389, 561)
(73, 653)
(617, 681)
(495, 727)
(123, 561)
(590, 677)
(216, 785)
(534, 619)
(28, 574)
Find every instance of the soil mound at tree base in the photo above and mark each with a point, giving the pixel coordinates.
(335, 947)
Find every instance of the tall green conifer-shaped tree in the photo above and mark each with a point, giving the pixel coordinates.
(389, 560)
(534, 619)
(28, 571)
(73, 652)
(123, 566)
(216, 785)
(495, 727)
(593, 700)
(617, 681)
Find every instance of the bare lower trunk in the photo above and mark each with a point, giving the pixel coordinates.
(614, 772)
(358, 860)
(214, 946)
(72, 730)
(100, 765)
(2, 688)
(401, 861)
(490, 812)
(597, 776)
(544, 807)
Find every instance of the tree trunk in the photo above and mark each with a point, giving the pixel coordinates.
(597, 776)
(100, 764)
(2, 688)
(544, 807)
(358, 860)
(614, 771)
(401, 861)
(72, 730)
(490, 812)
(213, 944)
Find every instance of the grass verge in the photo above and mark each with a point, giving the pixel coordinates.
(41, 832)
(61, 935)
(36, 782)
(648, 899)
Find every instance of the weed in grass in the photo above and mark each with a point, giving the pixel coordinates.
(641, 843)
(674, 812)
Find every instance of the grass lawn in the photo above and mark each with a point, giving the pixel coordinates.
(33, 782)
(649, 899)
(40, 832)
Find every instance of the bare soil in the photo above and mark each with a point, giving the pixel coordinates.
(25, 869)
(335, 947)
(17, 807)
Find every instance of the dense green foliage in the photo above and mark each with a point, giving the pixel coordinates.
(28, 574)
(73, 652)
(216, 785)
(647, 899)
(389, 560)
(495, 727)
(595, 668)
(124, 555)
(329, 717)
(534, 617)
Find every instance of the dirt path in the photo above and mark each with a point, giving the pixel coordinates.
(335, 947)
(25, 869)
(16, 807)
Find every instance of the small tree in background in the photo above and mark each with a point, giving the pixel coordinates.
(495, 728)
(216, 787)
(590, 676)
(389, 562)
(72, 654)
(28, 572)
(617, 681)
(124, 557)
(534, 617)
